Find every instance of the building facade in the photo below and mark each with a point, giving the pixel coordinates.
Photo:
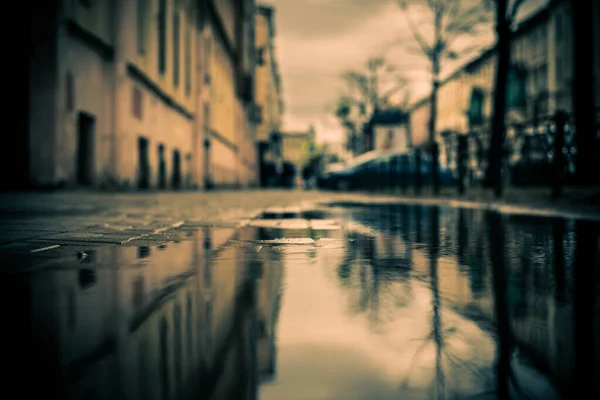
(388, 131)
(295, 147)
(142, 94)
(268, 92)
(540, 83)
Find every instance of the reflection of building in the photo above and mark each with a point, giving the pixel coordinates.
(151, 323)
(269, 290)
(268, 90)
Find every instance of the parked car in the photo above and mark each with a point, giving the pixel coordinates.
(531, 164)
(382, 170)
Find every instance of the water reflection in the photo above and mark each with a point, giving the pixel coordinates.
(403, 302)
(513, 276)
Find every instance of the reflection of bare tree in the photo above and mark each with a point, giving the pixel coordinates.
(371, 266)
(462, 237)
(436, 327)
(436, 334)
(445, 353)
(500, 304)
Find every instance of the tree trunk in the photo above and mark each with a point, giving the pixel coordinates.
(583, 93)
(433, 146)
(496, 150)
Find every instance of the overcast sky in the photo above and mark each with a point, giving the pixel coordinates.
(316, 40)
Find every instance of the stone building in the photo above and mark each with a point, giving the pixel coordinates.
(387, 130)
(141, 94)
(539, 84)
(268, 90)
(294, 147)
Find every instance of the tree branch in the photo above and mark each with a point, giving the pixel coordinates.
(515, 10)
(417, 35)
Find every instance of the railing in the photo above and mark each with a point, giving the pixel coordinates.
(536, 153)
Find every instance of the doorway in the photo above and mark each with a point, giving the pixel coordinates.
(176, 179)
(85, 149)
(162, 167)
(143, 163)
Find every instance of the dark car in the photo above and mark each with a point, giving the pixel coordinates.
(382, 170)
(531, 164)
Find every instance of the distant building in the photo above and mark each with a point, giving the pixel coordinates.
(388, 130)
(418, 117)
(295, 146)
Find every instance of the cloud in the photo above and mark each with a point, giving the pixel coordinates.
(321, 18)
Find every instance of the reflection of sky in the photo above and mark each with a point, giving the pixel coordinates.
(325, 351)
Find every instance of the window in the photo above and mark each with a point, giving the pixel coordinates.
(142, 16)
(136, 103)
(260, 56)
(188, 57)
(162, 36)
(207, 56)
(176, 32)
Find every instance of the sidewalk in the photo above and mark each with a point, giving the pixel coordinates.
(573, 203)
(38, 227)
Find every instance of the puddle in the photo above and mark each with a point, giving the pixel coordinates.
(401, 302)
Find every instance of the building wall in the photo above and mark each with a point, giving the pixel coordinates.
(482, 75)
(223, 127)
(391, 137)
(530, 50)
(262, 76)
(159, 122)
(419, 119)
(104, 61)
(91, 82)
(293, 147)
(453, 101)
(560, 68)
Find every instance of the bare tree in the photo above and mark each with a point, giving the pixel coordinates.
(372, 88)
(506, 11)
(439, 40)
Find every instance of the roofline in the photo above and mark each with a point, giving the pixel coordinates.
(528, 23)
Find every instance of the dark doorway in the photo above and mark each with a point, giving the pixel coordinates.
(207, 179)
(143, 163)
(262, 162)
(189, 171)
(162, 167)
(85, 149)
(176, 179)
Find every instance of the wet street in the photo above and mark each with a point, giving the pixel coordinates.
(337, 302)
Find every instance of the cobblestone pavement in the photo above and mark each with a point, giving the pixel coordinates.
(37, 228)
